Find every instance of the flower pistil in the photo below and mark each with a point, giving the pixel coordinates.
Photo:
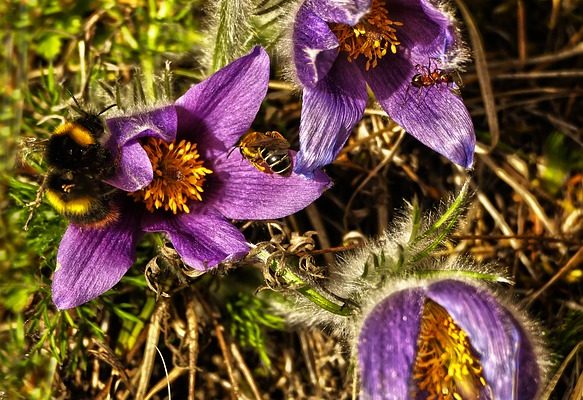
(371, 37)
(179, 176)
(446, 367)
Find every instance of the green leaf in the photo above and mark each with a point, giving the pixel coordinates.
(560, 157)
(49, 46)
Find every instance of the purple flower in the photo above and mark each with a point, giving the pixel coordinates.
(176, 176)
(400, 48)
(442, 338)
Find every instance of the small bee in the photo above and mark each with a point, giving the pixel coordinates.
(78, 163)
(268, 152)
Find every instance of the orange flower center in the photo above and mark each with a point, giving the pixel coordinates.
(179, 176)
(447, 367)
(372, 37)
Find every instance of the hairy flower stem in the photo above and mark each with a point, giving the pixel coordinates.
(294, 281)
(443, 226)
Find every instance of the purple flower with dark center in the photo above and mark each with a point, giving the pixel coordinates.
(176, 174)
(403, 50)
(446, 339)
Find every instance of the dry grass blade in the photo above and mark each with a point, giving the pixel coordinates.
(505, 228)
(245, 370)
(316, 220)
(483, 73)
(192, 321)
(219, 329)
(573, 262)
(578, 391)
(528, 197)
(105, 354)
(555, 379)
(150, 350)
(176, 373)
(372, 174)
(521, 19)
(165, 382)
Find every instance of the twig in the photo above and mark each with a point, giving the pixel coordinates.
(308, 357)
(483, 74)
(371, 175)
(523, 192)
(176, 373)
(575, 73)
(318, 224)
(572, 263)
(521, 28)
(544, 58)
(192, 323)
(150, 350)
(555, 379)
(245, 370)
(534, 238)
(505, 228)
(219, 329)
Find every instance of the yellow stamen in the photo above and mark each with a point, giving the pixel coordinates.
(373, 36)
(178, 176)
(447, 367)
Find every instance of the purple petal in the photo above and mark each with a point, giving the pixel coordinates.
(91, 261)
(240, 191)
(495, 335)
(202, 239)
(388, 344)
(434, 115)
(134, 169)
(315, 47)
(330, 110)
(217, 111)
(339, 11)
(426, 33)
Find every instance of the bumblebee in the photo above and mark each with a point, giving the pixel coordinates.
(76, 146)
(78, 163)
(268, 152)
(81, 199)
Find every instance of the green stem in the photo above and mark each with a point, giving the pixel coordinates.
(300, 286)
(451, 212)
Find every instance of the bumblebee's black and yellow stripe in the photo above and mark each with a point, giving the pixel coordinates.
(78, 164)
(75, 146)
(81, 199)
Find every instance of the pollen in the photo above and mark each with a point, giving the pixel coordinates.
(373, 36)
(179, 176)
(446, 366)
